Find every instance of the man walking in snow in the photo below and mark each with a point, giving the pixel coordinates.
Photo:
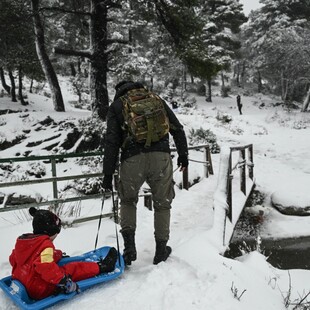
(145, 157)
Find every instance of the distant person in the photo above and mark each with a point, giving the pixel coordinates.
(174, 105)
(239, 104)
(34, 260)
(139, 123)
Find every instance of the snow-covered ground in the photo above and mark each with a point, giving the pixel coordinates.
(196, 276)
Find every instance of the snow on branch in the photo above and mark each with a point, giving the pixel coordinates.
(69, 52)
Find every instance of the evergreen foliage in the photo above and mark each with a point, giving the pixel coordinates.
(276, 41)
(202, 136)
(17, 39)
(161, 42)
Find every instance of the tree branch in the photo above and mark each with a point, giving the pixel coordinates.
(62, 10)
(110, 4)
(111, 41)
(67, 52)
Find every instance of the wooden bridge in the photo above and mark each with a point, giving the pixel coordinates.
(235, 183)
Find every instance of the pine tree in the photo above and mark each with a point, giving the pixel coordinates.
(17, 52)
(276, 44)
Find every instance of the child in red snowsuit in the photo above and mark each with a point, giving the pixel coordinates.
(34, 260)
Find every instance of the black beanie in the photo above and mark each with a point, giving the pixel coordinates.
(45, 222)
(124, 86)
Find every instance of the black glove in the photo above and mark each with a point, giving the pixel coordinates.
(182, 161)
(107, 182)
(67, 286)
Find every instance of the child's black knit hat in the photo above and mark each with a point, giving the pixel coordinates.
(45, 222)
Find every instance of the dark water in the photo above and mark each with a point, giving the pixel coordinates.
(291, 253)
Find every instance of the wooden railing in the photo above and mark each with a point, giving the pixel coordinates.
(227, 211)
(207, 162)
(53, 160)
(242, 164)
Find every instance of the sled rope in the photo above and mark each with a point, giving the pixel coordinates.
(100, 218)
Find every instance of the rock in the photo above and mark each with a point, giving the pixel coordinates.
(291, 202)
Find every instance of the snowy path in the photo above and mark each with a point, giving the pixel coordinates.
(196, 276)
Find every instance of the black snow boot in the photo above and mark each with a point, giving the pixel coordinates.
(162, 252)
(108, 263)
(130, 252)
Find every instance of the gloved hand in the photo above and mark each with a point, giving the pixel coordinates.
(182, 162)
(67, 286)
(107, 182)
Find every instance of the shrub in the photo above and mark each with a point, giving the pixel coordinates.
(223, 117)
(204, 136)
(225, 90)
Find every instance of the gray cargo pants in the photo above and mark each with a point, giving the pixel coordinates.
(154, 168)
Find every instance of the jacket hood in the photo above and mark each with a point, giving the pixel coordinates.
(26, 245)
(124, 86)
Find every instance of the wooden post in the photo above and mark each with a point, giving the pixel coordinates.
(209, 160)
(229, 188)
(206, 166)
(242, 171)
(185, 179)
(116, 178)
(251, 164)
(54, 174)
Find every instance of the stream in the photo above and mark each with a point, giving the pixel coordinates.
(287, 253)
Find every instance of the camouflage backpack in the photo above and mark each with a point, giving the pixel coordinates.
(145, 116)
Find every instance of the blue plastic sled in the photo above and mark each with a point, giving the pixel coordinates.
(17, 292)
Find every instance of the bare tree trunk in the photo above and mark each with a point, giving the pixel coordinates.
(224, 91)
(5, 86)
(209, 91)
(31, 86)
(184, 82)
(306, 101)
(152, 83)
(259, 82)
(44, 59)
(72, 68)
(98, 55)
(243, 74)
(237, 73)
(284, 87)
(99, 60)
(13, 87)
(20, 87)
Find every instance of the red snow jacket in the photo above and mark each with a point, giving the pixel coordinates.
(34, 261)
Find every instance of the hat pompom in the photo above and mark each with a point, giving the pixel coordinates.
(33, 211)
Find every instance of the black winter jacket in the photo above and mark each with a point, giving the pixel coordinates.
(116, 135)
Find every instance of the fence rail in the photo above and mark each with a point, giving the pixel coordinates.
(208, 166)
(53, 160)
(56, 201)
